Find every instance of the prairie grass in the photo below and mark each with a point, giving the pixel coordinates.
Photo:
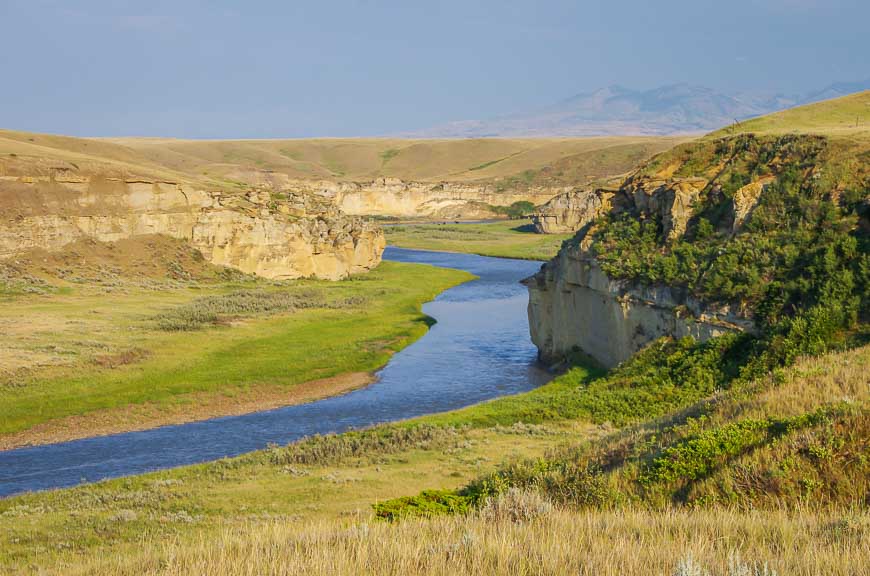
(795, 438)
(557, 542)
(280, 336)
(506, 239)
(363, 445)
(219, 309)
(848, 116)
(196, 515)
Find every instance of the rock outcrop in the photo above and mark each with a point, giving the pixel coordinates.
(272, 234)
(744, 201)
(668, 200)
(573, 304)
(571, 211)
(394, 197)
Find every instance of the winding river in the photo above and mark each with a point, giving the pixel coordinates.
(478, 349)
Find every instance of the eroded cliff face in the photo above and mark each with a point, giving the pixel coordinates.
(283, 235)
(394, 197)
(573, 304)
(570, 211)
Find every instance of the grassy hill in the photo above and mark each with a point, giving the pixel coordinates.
(516, 162)
(840, 117)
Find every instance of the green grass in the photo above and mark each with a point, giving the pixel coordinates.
(379, 314)
(837, 117)
(336, 476)
(389, 154)
(506, 239)
(316, 479)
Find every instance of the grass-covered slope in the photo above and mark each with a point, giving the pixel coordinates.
(305, 507)
(775, 228)
(526, 161)
(507, 239)
(108, 337)
(513, 163)
(848, 116)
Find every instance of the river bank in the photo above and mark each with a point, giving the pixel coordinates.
(86, 359)
(479, 349)
(501, 239)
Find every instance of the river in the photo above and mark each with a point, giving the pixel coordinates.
(479, 349)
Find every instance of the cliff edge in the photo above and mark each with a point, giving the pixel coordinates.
(730, 233)
(49, 203)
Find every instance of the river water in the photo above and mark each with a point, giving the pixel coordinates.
(479, 349)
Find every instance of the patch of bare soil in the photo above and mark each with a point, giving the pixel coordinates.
(187, 408)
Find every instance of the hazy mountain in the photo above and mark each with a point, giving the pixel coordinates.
(616, 110)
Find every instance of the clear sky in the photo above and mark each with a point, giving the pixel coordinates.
(291, 68)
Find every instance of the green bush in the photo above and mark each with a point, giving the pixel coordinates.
(427, 504)
(517, 210)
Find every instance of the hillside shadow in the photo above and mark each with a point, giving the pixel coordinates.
(525, 228)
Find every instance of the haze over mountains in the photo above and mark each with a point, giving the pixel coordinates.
(616, 110)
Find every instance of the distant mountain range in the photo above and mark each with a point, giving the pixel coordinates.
(615, 110)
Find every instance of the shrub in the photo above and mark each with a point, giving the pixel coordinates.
(427, 504)
(212, 310)
(515, 505)
(334, 448)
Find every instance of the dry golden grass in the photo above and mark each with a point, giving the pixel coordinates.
(227, 163)
(363, 159)
(845, 116)
(561, 542)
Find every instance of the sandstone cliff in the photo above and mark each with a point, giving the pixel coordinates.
(573, 304)
(668, 253)
(571, 211)
(276, 235)
(403, 199)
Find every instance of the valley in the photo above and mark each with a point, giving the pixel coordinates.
(680, 386)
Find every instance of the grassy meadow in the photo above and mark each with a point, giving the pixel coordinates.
(505, 239)
(552, 542)
(307, 507)
(85, 358)
(845, 117)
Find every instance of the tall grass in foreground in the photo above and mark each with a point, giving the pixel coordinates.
(557, 542)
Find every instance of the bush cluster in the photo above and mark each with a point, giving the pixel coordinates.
(212, 310)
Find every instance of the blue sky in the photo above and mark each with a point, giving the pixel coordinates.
(271, 68)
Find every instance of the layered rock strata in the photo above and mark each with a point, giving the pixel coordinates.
(573, 304)
(275, 235)
(399, 198)
(570, 211)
